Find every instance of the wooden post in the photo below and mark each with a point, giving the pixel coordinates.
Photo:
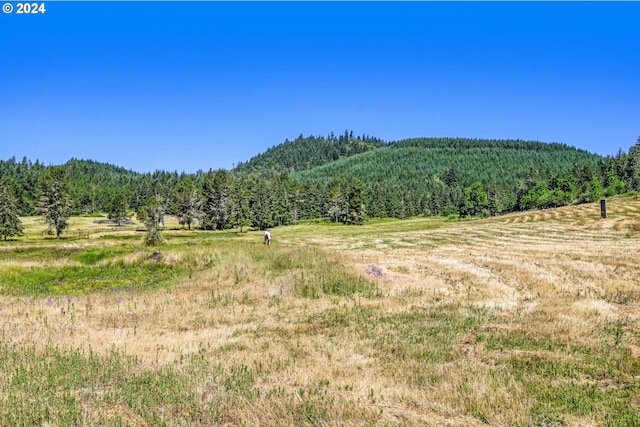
(603, 208)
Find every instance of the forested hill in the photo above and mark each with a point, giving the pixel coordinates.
(470, 143)
(345, 178)
(308, 152)
(91, 184)
(410, 162)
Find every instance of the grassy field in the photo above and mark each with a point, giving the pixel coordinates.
(530, 319)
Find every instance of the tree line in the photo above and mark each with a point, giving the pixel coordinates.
(387, 181)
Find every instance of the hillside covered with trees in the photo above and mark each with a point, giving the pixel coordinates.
(305, 153)
(420, 175)
(345, 179)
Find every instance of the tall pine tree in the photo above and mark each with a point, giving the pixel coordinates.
(355, 202)
(10, 224)
(187, 202)
(634, 165)
(217, 207)
(53, 199)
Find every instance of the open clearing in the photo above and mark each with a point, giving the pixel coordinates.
(526, 319)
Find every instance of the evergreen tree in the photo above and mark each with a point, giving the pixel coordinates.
(455, 200)
(261, 206)
(436, 196)
(116, 206)
(355, 202)
(374, 203)
(53, 198)
(281, 200)
(296, 198)
(338, 206)
(187, 202)
(451, 178)
(396, 202)
(634, 166)
(10, 224)
(314, 202)
(217, 205)
(240, 197)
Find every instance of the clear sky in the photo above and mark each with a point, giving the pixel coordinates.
(198, 85)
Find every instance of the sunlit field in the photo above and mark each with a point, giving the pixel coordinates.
(529, 319)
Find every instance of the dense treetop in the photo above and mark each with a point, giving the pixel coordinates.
(305, 153)
(411, 161)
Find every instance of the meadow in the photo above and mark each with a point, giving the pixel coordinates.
(528, 319)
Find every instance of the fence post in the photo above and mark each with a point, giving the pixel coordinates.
(603, 208)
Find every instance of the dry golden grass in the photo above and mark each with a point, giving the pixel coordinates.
(561, 276)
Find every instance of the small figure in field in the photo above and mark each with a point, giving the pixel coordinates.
(267, 237)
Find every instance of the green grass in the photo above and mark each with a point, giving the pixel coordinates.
(58, 387)
(37, 253)
(596, 383)
(62, 269)
(422, 337)
(92, 256)
(50, 385)
(334, 283)
(72, 280)
(55, 386)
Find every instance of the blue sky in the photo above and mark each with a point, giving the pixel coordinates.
(198, 85)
